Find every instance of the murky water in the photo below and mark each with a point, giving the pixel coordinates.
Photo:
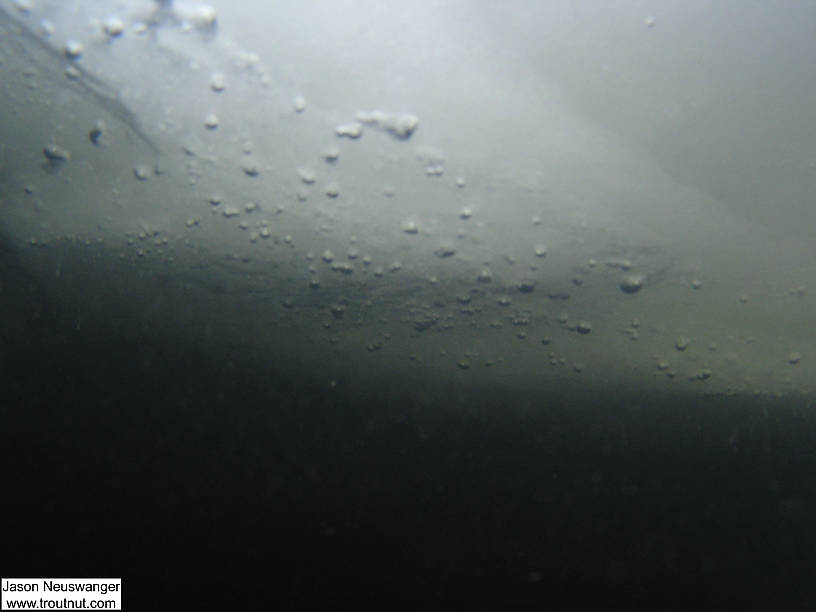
(500, 302)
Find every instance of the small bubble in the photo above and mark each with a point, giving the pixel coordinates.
(583, 327)
(526, 285)
(113, 26)
(141, 172)
(331, 155)
(409, 226)
(217, 82)
(96, 132)
(211, 121)
(332, 190)
(73, 49)
(250, 166)
(307, 175)
(55, 153)
(632, 283)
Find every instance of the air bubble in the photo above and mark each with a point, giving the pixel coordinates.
(96, 132)
(211, 121)
(141, 172)
(349, 130)
(526, 285)
(485, 276)
(331, 155)
(409, 226)
(55, 153)
(250, 166)
(583, 327)
(113, 26)
(307, 175)
(342, 266)
(540, 250)
(217, 82)
(73, 49)
(632, 283)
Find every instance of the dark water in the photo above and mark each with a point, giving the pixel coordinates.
(215, 486)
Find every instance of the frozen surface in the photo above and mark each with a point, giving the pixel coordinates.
(429, 192)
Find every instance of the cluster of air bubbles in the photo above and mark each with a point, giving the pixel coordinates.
(349, 130)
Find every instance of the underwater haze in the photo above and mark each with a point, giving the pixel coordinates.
(410, 305)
